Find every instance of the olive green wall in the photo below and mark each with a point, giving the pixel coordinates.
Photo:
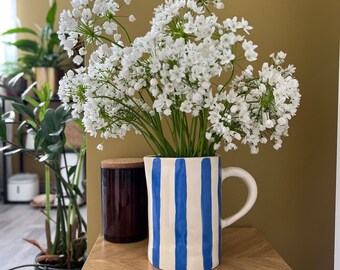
(295, 207)
(33, 12)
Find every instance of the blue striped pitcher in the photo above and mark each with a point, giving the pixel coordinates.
(184, 206)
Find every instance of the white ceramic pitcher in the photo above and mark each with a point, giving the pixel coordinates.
(184, 208)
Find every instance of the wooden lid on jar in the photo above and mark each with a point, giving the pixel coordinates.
(122, 163)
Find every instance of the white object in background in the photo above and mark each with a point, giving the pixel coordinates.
(29, 144)
(71, 159)
(22, 187)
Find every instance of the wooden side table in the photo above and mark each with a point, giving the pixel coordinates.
(242, 249)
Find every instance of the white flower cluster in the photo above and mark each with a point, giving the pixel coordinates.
(86, 23)
(256, 106)
(174, 69)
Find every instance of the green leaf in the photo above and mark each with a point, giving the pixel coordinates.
(4, 148)
(45, 33)
(23, 124)
(24, 94)
(44, 158)
(77, 191)
(64, 115)
(18, 150)
(74, 189)
(55, 148)
(20, 30)
(24, 110)
(15, 99)
(42, 110)
(38, 140)
(54, 120)
(3, 130)
(50, 123)
(57, 133)
(71, 170)
(47, 90)
(25, 45)
(28, 61)
(31, 101)
(32, 123)
(15, 79)
(20, 133)
(51, 14)
(40, 94)
(54, 41)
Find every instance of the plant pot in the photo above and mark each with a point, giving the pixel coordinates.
(47, 266)
(185, 224)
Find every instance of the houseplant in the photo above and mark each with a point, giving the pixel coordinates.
(188, 89)
(40, 55)
(68, 248)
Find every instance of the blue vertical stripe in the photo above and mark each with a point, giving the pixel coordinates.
(181, 215)
(206, 206)
(219, 197)
(156, 209)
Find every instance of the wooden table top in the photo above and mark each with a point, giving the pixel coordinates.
(242, 249)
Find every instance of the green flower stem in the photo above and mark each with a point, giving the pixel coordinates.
(90, 33)
(140, 126)
(173, 134)
(183, 149)
(229, 80)
(124, 29)
(69, 208)
(157, 127)
(48, 209)
(155, 123)
(76, 175)
(187, 131)
(193, 130)
(144, 122)
(175, 130)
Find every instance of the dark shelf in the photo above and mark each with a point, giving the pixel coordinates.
(54, 99)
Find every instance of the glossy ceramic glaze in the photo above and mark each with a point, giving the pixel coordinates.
(184, 209)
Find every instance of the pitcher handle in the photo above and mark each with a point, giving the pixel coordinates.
(252, 192)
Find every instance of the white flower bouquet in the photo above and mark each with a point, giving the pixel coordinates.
(181, 86)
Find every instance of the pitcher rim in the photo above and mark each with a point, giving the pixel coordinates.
(172, 158)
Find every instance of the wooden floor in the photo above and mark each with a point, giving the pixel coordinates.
(18, 221)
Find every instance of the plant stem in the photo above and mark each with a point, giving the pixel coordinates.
(48, 208)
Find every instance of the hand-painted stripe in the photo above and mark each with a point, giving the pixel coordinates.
(148, 162)
(206, 213)
(194, 213)
(219, 196)
(181, 214)
(156, 210)
(168, 213)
